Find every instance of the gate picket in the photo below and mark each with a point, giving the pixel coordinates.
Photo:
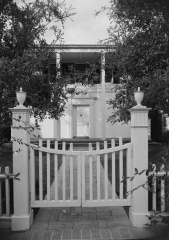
(40, 173)
(56, 171)
(71, 173)
(91, 173)
(106, 171)
(113, 171)
(63, 173)
(80, 177)
(121, 169)
(98, 172)
(48, 172)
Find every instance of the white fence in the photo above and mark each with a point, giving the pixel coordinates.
(106, 166)
(57, 165)
(158, 189)
(69, 177)
(48, 173)
(5, 199)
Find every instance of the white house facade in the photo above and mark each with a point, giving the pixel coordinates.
(86, 113)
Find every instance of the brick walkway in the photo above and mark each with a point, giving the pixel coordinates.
(85, 223)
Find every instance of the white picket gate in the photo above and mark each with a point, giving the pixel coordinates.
(61, 177)
(80, 178)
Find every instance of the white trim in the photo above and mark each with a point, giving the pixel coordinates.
(74, 117)
(83, 102)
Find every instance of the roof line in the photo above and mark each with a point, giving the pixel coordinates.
(82, 46)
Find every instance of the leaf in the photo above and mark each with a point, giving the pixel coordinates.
(17, 179)
(131, 179)
(136, 170)
(17, 174)
(147, 172)
(153, 167)
(141, 172)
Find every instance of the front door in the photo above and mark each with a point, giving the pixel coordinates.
(83, 121)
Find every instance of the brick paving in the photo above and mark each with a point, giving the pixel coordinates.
(49, 226)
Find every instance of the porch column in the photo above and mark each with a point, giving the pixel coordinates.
(103, 98)
(58, 75)
(58, 129)
(23, 215)
(139, 139)
(70, 107)
(58, 63)
(112, 78)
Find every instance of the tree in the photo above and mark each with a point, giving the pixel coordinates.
(25, 55)
(140, 35)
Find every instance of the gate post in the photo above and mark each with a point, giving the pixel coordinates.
(139, 139)
(23, 215)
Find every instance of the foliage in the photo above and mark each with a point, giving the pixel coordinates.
(153, 186)
(139, 32)
(88, 75)
(25, 56)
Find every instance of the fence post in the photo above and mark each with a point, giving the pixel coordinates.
(23, 215)
(139, 139)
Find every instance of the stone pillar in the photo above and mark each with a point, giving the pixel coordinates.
(23, 215)
(103, 96)
(139, 139)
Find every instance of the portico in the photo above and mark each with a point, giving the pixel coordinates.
(86, 113)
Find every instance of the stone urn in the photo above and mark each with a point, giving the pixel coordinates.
(138, 96)
(21, 96)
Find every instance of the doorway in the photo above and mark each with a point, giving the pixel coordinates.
(81, 121)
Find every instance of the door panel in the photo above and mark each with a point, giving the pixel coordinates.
(83, 120)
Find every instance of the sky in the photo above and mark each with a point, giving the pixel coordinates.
(84, 27)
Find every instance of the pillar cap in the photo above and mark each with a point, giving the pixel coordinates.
(20, 109)
(139, 109)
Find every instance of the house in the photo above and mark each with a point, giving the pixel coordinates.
(86, 112)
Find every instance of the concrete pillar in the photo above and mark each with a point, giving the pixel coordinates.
(139, 139)
(23, 215)
(103, 97)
